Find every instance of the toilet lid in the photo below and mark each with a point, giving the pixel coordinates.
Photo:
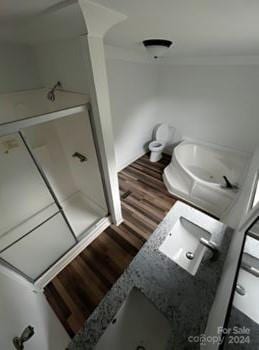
(161, 133)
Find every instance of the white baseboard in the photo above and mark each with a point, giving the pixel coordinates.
(41, 282)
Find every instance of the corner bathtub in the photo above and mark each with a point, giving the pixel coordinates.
(196, 175)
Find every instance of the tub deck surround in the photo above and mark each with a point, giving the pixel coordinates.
(196, 175)
(185, 300)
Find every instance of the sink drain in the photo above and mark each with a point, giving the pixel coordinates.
(189, 255)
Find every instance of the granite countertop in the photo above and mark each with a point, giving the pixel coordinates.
(185, 300)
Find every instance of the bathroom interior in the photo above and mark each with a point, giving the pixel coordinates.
(129, 159)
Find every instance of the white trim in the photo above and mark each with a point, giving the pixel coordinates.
(17, 277)
(16, 126)
(101, 112)
(249, 218)
(119, 222)
(98, 18)
(253, 191)
(41, 282)
(43, 89)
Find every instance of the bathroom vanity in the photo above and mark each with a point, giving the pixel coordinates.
(183, 298)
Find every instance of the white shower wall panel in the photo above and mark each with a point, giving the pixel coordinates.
(75, 135)
(50, 153)
(27, 104)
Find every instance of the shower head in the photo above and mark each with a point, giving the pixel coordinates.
(51, 94)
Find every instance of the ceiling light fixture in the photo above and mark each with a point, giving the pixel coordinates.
(157, 47)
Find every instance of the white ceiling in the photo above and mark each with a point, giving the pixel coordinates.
(36, 21)
(198, 27)
(16, 9)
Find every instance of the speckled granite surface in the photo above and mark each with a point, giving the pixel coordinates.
(185, 300)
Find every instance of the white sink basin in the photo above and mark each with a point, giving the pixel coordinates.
(182, 245)
(138, 325)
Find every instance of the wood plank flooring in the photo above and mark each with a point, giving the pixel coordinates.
(79, 288)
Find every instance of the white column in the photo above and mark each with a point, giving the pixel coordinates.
(98, 20)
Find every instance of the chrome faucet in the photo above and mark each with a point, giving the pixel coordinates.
(228, 184)
(211, 246)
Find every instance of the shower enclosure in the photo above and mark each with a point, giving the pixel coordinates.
(51, 190)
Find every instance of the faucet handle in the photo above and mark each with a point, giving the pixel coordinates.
(229, 185)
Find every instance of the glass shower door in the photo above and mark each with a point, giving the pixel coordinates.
(66, 152)
(33, 232)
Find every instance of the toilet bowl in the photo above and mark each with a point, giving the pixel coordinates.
(160, 140)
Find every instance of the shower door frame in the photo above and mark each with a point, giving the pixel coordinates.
(17, 127)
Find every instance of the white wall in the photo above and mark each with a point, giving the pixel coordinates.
(133, 94)
(20, 307)
(212, 103)
(241, 206)
(216, 104)
(132, 91)
(63, 61)
(18, 68)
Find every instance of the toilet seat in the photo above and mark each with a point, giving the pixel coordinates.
(156, 146)
(160, 140)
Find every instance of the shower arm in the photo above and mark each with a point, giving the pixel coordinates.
(51, 94)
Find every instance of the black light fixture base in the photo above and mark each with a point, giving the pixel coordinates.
(157, 42)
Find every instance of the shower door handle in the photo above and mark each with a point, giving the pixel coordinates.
(80, 156)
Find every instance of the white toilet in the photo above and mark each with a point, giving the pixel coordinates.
(160, 140)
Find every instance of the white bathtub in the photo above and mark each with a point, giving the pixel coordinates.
(196, 174)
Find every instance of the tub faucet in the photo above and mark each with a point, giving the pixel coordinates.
(228, 184)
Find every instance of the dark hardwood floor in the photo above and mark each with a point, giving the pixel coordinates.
(77, 290)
